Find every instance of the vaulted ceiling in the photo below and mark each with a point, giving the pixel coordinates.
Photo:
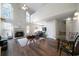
(49, 11)
(33, 7)
(55, 11)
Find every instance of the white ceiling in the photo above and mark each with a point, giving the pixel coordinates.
(49, 11)
(33, 7)
(55, 11)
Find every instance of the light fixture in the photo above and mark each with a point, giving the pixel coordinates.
(76, 16)
(68, 19)
(76, 13)
(24, 7)
(28, 18)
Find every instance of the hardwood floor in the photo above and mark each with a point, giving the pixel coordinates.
(45, 47)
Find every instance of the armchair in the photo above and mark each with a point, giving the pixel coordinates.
(3, 44)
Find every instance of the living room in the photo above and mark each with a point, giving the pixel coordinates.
(36, 29)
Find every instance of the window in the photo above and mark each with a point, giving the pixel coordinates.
(7, 27)
(28, 17)
(28, 29)
(7, 11)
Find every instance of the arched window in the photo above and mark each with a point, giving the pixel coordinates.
(7, 11)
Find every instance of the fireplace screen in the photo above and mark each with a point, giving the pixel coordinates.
(19, 34)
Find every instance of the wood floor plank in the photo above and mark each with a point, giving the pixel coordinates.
(40, 48)
(39, 51)
(29, 51)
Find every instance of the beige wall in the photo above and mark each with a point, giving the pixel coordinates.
(60, 29)
(69, 28)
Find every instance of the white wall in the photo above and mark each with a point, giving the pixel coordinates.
(51, 28)
(19, 21)
(76, 25)
(72, 26)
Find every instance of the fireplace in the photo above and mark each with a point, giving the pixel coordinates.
(19, 34)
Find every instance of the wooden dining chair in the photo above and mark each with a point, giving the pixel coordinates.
(30, 39)
(70, 47)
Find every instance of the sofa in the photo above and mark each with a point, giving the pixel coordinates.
(3, 44)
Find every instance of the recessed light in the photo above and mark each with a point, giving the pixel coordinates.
(24, 7)
(68, 19)
(76, 14)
